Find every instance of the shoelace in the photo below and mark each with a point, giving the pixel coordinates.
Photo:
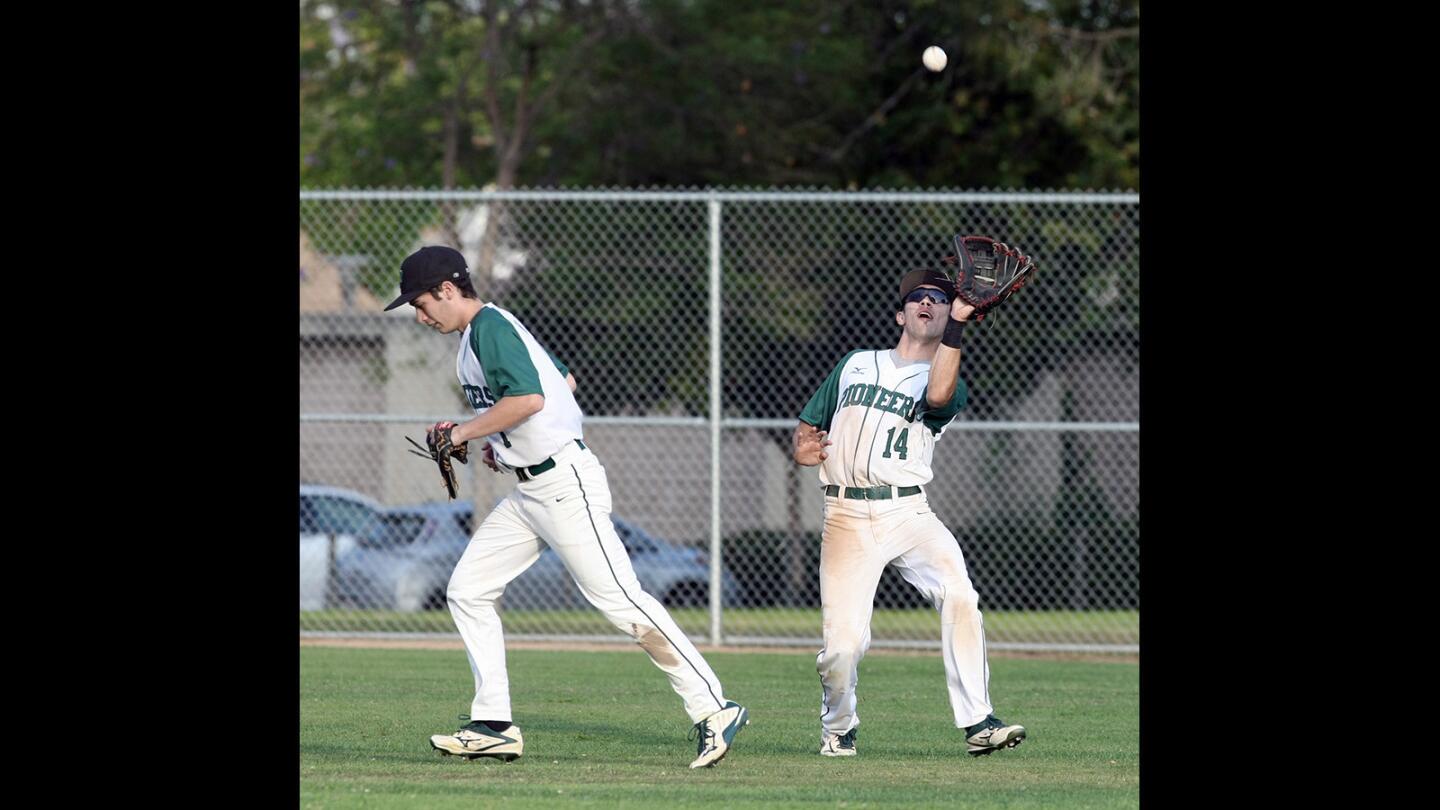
(991, 724)
(465, 722)
(702, 732)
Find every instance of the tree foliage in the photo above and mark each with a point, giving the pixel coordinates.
(412, 93)
(634, 93)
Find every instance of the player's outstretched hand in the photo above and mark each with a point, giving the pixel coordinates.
(810, 444)
(961, 311)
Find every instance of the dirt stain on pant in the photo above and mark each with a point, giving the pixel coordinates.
(655, 643)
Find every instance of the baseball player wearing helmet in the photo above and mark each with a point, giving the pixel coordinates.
(872, 427)
(529, 422)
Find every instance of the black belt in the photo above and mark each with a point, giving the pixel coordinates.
(871, 493)
(526, 473)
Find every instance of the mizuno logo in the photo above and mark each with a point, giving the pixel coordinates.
(482, 743)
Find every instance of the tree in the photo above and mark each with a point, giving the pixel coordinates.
(466, 81)
(1038, 93)
(433, 93)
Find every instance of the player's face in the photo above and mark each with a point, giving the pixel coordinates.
(434, 312)
(924, 319)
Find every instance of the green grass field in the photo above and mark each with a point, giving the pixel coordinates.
(1092, 626)
(605, 729)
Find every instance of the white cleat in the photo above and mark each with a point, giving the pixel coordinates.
(477, 740)
(993, 736)
(717, 732)
(839, 745)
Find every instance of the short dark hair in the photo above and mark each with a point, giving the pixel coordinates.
(464, 284)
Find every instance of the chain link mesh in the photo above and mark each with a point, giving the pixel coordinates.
(1038, 478)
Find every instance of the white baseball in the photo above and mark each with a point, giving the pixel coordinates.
(934, 58)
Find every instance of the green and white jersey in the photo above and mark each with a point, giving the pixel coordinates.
(500, 358)
(881, 429)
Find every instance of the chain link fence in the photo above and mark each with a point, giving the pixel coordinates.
(654, 297)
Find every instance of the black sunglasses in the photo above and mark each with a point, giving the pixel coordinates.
(935, 296)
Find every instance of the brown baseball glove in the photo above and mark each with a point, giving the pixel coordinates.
(440, 449)
(989, 273)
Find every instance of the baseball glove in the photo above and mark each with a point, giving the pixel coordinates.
(440, 449)
(989, 272)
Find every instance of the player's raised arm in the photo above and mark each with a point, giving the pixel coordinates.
(945, 369)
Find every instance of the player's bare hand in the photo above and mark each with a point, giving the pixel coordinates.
(823, 443)
(960, 311)
(810, 446)
(489, 458)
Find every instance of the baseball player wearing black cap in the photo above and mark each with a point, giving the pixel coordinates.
(880, 413)
(530, 424)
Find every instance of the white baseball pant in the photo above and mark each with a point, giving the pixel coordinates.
(859, 539)
(568, 509)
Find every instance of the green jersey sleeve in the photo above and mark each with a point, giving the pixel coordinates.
(508, 370)
(822, 405)
(937, 418)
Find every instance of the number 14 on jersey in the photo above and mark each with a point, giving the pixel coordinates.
(899, 445)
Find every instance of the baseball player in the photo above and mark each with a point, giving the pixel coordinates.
(529, 423)
(872, 427)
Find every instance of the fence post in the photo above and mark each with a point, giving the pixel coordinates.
(330, 578)
(715, 551)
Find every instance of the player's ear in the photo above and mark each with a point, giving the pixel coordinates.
(900, 317)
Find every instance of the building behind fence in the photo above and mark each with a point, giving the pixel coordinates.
(697, 325)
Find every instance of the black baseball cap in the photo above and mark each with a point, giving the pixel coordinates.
(925, 275)
(427, 268)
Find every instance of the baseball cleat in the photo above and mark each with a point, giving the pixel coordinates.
(477, 740)
(717, 732)
(838, 745)
(991, 735)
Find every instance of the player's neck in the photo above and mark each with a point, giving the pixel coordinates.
(915, 350)
(471, 307)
